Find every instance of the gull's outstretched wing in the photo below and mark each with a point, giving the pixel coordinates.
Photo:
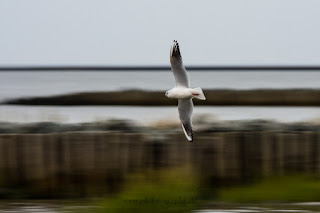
(179, 72)
(185, 107)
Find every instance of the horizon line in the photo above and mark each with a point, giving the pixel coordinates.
(158, 68)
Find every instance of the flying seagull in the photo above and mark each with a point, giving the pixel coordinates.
(182, 91)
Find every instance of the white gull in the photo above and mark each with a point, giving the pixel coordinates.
(182, 91)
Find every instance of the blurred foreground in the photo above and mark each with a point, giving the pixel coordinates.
(116, 166)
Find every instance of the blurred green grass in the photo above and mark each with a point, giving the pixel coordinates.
(179, 190)
(171, 191)
(289, 188)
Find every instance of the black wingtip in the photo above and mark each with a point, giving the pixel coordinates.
(175, 52)
(190, 139)
(191, 136)
(187, 130)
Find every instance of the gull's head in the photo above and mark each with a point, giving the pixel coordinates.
(167, 94)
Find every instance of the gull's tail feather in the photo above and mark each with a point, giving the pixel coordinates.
(198, 93)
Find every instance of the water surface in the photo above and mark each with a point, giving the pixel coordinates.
(25, 84)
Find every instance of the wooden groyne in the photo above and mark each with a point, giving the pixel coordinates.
(218, 97)
(81, 163)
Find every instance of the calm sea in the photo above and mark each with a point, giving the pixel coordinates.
(26, 84)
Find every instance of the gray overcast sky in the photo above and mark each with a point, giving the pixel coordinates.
(213, 32)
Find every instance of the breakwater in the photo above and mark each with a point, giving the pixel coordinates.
(96, 162)
(218, 97)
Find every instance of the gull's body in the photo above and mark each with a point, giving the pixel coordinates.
(182, 91)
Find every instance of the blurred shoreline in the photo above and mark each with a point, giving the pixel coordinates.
(201, 125)
(215, 97)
